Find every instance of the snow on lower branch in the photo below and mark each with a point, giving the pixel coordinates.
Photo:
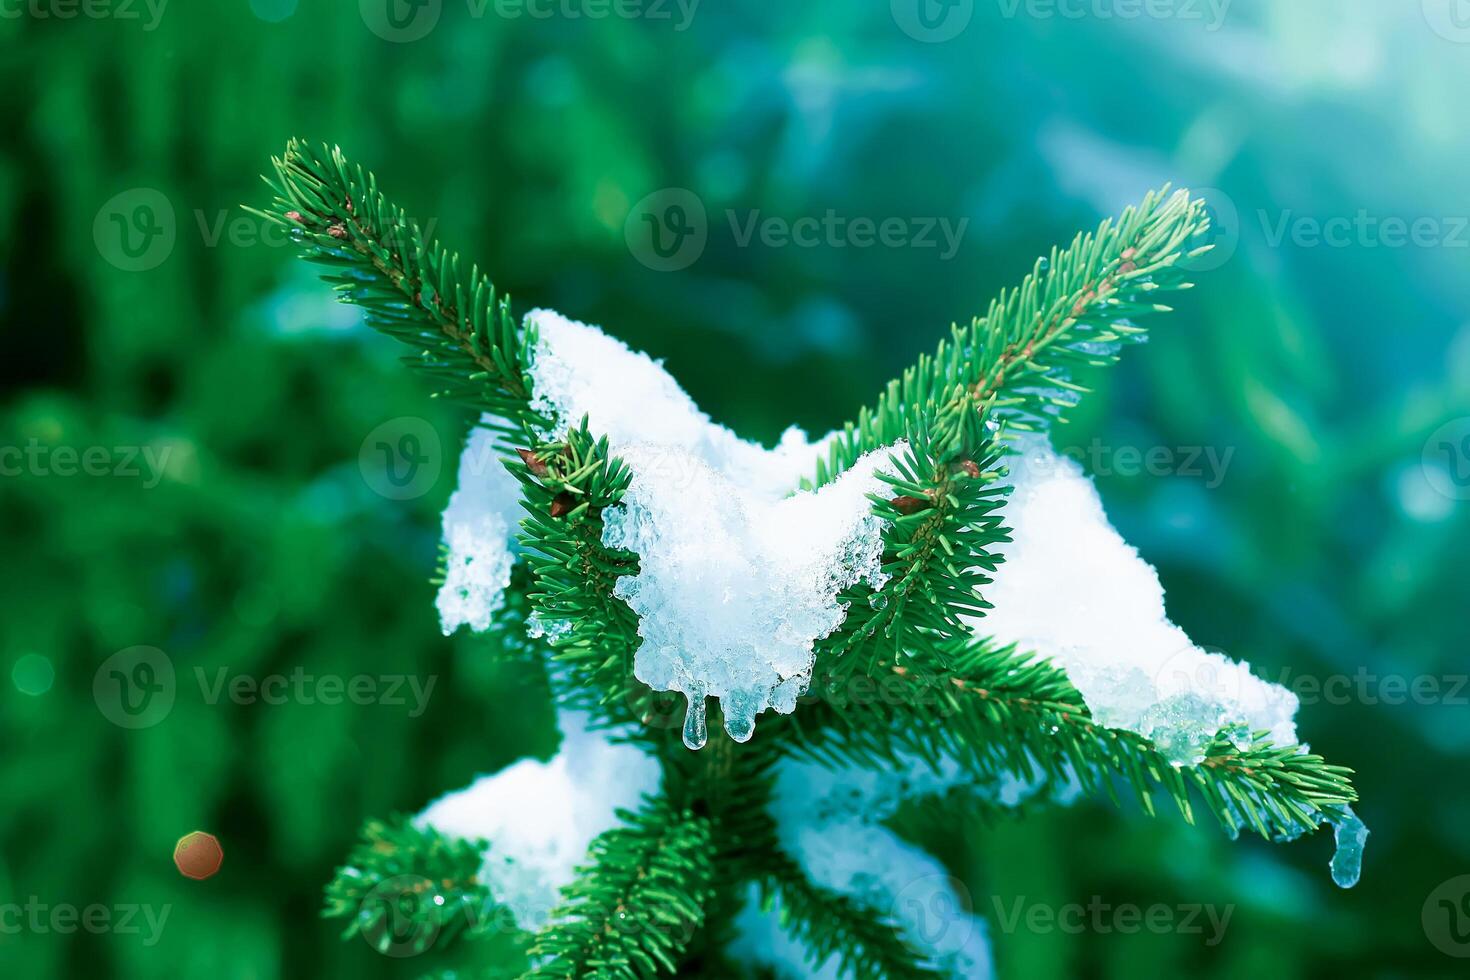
(830, 821)
(540, 817)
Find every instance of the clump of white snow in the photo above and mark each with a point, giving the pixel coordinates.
(738, 578)
(1072, 589)
(540, 817)
(479, 533)
(734, 588)
(577, 370)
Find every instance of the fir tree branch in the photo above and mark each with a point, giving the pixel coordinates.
(638, 906)
(637, 902)
(1015, 364)
(408, 287)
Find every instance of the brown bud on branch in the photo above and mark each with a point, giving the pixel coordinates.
(533, 462)
(562, 504)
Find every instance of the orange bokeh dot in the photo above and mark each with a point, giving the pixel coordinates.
(198, 855)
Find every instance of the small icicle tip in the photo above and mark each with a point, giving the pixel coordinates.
(1347, 859)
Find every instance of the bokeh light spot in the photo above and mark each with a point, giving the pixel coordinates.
(33, 675)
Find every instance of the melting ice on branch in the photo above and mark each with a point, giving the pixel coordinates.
(738, 577)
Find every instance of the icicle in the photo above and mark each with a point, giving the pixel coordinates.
(1347, 859)
(740, 711)
(696, 732)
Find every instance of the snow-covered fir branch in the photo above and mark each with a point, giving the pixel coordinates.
(927, 601)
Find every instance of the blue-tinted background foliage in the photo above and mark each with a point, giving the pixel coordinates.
(1316, 364)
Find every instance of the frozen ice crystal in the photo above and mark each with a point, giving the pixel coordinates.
(1347, 859)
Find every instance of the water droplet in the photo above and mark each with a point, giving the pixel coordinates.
(1347, 859)
(696, 729)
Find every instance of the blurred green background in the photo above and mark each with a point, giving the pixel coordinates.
(1321, 368)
